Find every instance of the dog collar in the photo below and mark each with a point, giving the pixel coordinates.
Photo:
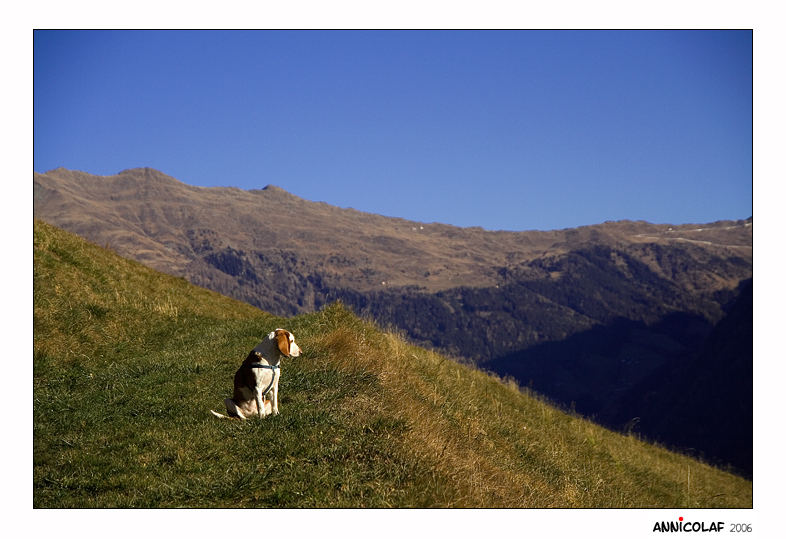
(264, 366)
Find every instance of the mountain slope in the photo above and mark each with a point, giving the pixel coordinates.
(127, 363)
(258, 238)
(712, 391)
(582, 315)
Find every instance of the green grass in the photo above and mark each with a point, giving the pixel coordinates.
(128, 362)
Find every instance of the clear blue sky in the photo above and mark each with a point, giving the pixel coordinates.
(506, 130)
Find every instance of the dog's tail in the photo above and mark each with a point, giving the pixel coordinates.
(220, 416)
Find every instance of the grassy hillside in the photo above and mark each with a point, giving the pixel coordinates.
(128, 362)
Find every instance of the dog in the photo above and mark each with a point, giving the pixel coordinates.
(258, 376)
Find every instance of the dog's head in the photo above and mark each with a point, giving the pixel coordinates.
(286, 342)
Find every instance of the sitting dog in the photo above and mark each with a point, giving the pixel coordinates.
(259, 375)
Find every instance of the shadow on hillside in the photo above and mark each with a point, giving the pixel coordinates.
(680, 381)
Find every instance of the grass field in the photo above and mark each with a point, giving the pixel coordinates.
(128, 362)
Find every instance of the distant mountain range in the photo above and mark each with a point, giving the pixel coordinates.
(599, 318)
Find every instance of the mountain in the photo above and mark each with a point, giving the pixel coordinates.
(127, 363)
(583, 316)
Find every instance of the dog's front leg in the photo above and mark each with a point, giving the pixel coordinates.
(260, 403)
(275, 398)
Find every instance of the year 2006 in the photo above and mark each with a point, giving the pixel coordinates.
(740, 528)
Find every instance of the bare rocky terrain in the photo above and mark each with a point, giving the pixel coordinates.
(587, 316)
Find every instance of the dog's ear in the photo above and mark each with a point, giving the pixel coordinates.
(282, 336)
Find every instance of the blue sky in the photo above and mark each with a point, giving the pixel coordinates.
(510, 130)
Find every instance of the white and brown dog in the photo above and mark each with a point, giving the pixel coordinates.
(258, 376)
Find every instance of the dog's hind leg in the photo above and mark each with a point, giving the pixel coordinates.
(232, 409)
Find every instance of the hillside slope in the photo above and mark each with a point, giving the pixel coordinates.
(127, 363)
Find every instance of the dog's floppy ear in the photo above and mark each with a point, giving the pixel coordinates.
(282, 336)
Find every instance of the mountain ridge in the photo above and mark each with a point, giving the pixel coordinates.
(144, 173)
(272, 223)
